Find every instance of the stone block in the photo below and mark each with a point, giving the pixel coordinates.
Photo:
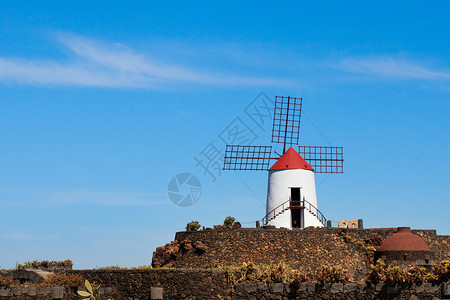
(337, 288)
(350, 287)
(263, 287)
(276, 288)
(419, 288)
(311, 287)
(430, 288)
(156, 293)
(251, 288)
(58, 292)
(43, 290)
(323, 287)
(4, 292)
(392, 289)
(445, 289)
(302, 287)
(24, 290)
(32, 291)
(107, 290)
(29, 275)
(240, 288)
(16, 291)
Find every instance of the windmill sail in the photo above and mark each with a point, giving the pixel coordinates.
(255, 158)
(286, 131)
(324, 159)
(286, 121)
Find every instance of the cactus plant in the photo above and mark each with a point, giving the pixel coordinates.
(229, 221)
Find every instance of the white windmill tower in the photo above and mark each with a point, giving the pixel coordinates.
(291, 190)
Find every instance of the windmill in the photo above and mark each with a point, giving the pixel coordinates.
(291, 191)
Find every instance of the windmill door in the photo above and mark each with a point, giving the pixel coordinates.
(296, 211)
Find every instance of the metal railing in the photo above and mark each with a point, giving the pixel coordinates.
(300, 204)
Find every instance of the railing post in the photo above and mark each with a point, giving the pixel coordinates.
(360, 224)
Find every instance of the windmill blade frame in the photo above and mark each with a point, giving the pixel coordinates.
(286, 120)
(328, 160)
(256, 158)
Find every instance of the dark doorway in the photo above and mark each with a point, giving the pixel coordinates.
(296, 218)
(295, 194)
(296, 211)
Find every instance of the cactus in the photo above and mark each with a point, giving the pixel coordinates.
(229, 221)
(194, 225)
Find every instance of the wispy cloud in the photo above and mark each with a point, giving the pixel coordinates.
(100, 64)
(113, 198)
(16, 236)
(94, 63)
(389, 67)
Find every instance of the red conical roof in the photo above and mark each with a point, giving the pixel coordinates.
(291, 160)
(404, 239)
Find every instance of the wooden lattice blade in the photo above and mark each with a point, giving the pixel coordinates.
(255, 158)
(328, 160)
(286, 120)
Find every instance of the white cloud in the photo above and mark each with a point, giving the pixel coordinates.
(116, 66)
(389, 67)
(47, 72)
(92, 63)
(16, 236)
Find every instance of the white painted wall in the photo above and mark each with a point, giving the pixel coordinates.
(278, 192)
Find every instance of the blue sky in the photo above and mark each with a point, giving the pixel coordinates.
(101, 104)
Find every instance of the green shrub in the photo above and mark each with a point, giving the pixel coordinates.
(409, 274)
(332, 274)
(143, 267)
(67, 280)
(6, 281)
(441, 272)
(195, 225)
(377, 272)
(116, 267)
(269, 273)
(45, 264)
(25, 264)
(395, 274)
(229, 221)
(280, 272)
(415, 274)
(220, 227)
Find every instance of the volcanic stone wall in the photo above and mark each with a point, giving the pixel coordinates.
(213, 284)
(176, 283)
(440, 244)
(340, 291)
(304, 249)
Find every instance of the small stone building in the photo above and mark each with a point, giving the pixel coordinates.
(405, 248)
